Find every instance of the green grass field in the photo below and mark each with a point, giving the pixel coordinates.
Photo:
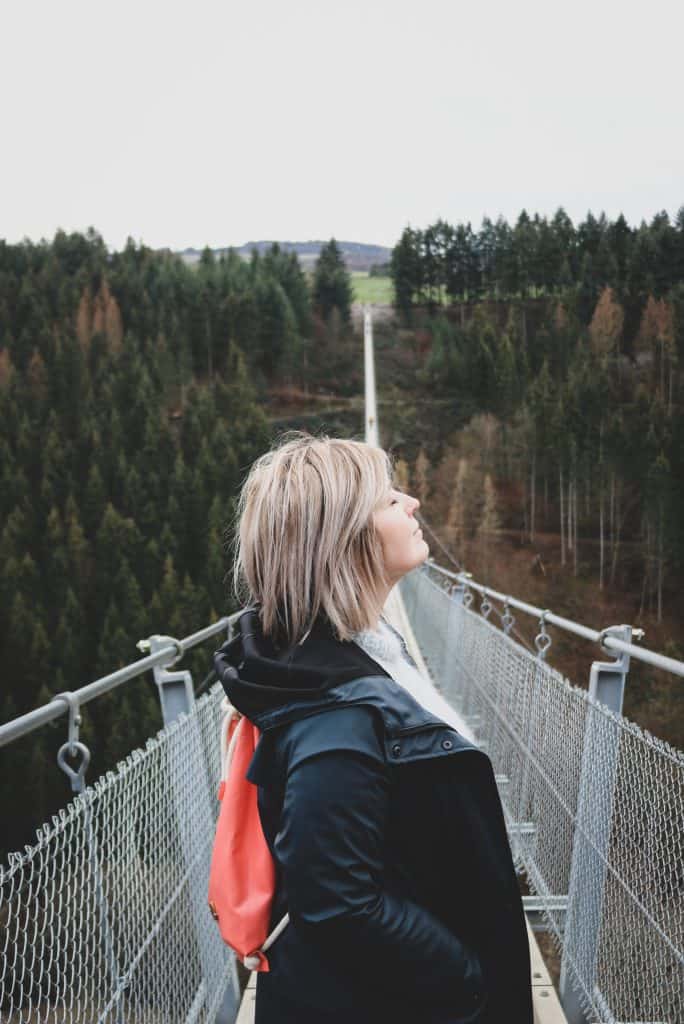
(372, 289)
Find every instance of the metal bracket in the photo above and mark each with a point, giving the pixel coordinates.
(73, 747)
(607, 678)
(456, 592)
(176, 693)
(485, 606)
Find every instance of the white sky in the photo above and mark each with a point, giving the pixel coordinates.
(185, 124)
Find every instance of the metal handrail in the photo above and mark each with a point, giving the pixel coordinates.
(32, 720)
(602, 636)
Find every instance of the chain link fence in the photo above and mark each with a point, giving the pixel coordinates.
(594, 807)
(105, 918)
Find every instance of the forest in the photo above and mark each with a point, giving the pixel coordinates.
(530, 385)
(129, 412)
(574, 340)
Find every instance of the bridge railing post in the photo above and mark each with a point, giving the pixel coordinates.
(176, 694)
(456, 592)
(593, 826)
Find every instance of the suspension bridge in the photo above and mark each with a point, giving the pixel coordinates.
(105, 918)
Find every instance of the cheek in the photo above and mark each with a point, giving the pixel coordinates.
(397, 544)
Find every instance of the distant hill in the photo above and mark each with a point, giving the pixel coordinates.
(357, 255)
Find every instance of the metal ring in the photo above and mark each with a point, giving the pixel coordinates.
(178, 652)
(161, 639)
(507, 620)
(608, 631)
(542, 642)
(467, 598)
(485, 606)
(76, 776)
(179, 649)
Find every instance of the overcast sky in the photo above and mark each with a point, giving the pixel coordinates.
(185, 124)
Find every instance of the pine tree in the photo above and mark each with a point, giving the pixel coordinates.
(72, 653)
(94, 501)
(332, 287)
(56, 561)
(126, 593)
(406, 271)
(505, 376)
(78, 548)
(117, 538)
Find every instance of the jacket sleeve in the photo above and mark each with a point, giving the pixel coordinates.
(330, 846)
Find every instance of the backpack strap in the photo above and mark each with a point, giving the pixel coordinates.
(230, 727)
(229, 730)
(252, 960)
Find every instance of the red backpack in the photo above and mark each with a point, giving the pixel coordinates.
(242, 874)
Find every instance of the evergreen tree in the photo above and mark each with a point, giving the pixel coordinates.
(71, 653)
(95, 500)
(332, 288)
(277, 342)
(505, 376)
(406, 272)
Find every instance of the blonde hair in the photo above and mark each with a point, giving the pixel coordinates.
(306, 541)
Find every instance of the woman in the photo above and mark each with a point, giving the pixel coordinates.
(384, 822)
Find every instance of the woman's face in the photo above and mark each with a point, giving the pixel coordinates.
(402, 541)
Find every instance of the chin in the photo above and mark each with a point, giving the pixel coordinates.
(425, 551)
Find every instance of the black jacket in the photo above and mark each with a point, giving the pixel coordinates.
(388, 836)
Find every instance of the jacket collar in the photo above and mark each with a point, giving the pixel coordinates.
(272, 688)
(400, 712)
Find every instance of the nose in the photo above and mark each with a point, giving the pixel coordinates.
(413, 505)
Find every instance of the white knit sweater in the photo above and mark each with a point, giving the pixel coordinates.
(387, 647)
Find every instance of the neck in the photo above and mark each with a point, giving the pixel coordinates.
(384, 595)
